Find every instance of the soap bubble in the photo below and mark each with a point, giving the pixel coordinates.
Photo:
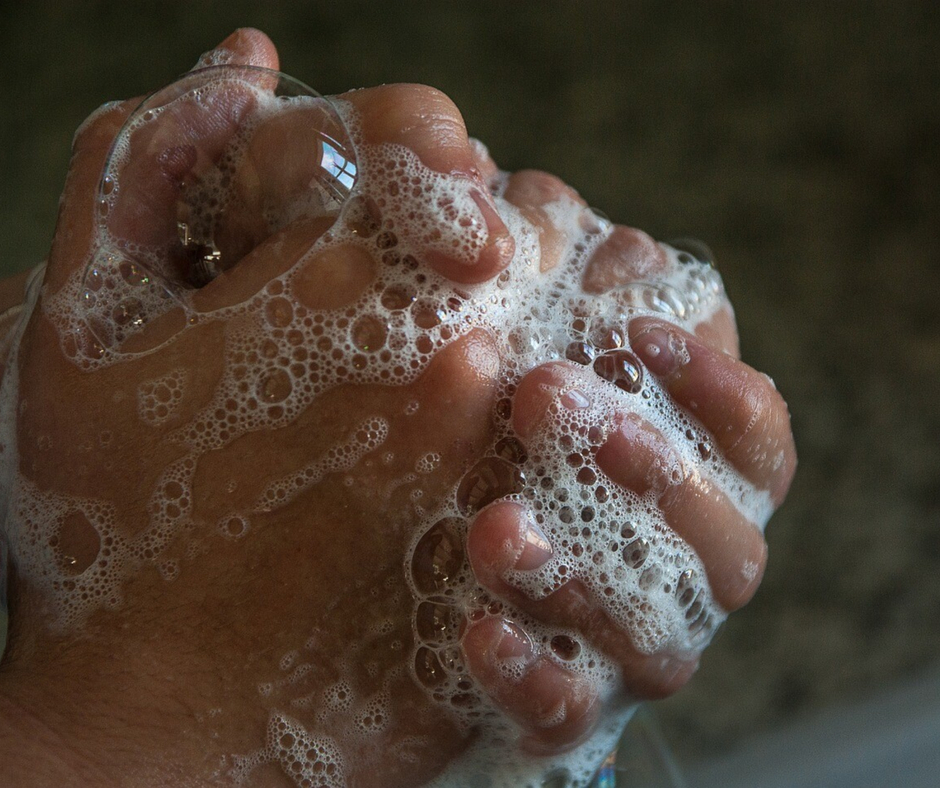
(202, 173)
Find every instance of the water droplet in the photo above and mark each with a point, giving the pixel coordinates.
(622, 369)
(439, 557)
(369, 333)
(491, 478)
(276, 386)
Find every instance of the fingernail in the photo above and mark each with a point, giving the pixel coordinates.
(498, 235)
(513, 643)
(661, 351)
(536, 549)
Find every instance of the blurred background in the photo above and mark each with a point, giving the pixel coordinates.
(800, 140)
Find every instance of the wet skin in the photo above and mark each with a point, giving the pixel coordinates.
(187, 657)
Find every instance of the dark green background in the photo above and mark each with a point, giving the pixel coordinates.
(801, 140)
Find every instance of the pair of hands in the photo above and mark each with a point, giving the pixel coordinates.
(321, 577)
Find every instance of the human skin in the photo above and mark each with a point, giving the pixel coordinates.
(132, 697)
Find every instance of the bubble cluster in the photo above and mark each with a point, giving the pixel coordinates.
(158, 400)
(287, 344)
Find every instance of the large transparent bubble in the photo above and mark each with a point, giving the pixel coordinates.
(205, 172)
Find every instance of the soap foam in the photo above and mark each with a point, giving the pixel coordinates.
(281, 355)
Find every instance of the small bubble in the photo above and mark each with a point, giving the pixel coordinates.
(386, 240)
(428, 668)
(279, 312)
(369, 333)
(607, 337)
(438, 557)
(691, 249)
(704, 450)
(685, 589)
(276, 386)
(557, 778)
(667, 301)
(504, 408)
(435, 622)
(565, 648)
(522, 340)
(234, 527)
(512, 450)
(427, 314)
(128, 313)
(363, 216)
(636, 553)
(580, 352)
(396, 297)
(650, 577)
(587, 476)
(622, 369)
(491, 478)
(133, 274)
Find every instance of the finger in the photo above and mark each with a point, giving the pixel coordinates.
(555, 707)
(637, 456)
(426, 122)
(626, 256)
(504, 538)
(721, 332)
(532, 192)
(739, 406)
(245, 47)
(732, 549)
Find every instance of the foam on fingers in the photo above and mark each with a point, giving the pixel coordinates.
(555, 707)
(739, 406)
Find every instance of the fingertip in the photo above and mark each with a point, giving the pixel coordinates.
(539, 390)
(247, 46)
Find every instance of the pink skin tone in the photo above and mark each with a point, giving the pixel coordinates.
(71, 739)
